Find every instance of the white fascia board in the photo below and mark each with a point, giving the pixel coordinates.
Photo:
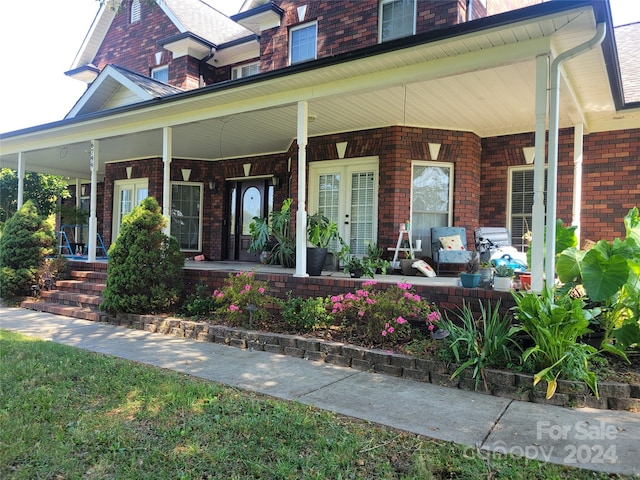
(236, 54)
(95, 36)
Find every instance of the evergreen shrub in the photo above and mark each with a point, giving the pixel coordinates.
(26, 240)
(145, 265)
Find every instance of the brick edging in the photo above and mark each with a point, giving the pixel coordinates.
(518, 386)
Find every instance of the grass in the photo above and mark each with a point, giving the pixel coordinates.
(69, 414)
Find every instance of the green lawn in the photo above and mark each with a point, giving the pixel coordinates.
(70, 414)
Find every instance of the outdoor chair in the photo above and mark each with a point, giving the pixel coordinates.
(449, 246)
(495, 242)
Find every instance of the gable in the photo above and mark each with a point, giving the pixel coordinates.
(118, 87)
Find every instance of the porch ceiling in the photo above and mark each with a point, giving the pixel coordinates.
(482, 82)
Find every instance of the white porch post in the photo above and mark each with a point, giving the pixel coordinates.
(578, 134)
(301, 214)
(20, 198)
(538, 211)
(93, 202)
(167, 147)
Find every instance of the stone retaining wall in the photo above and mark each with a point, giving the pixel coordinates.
(518, 386)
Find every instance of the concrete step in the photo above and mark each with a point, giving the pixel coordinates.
(84, 313)
(71, 298)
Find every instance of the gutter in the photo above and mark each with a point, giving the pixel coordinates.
(554, 119)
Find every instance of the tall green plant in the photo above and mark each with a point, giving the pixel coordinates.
(145, 265)
(609, 274)
(278, 227)
(555, 322)
(480, 343)
(26, 240)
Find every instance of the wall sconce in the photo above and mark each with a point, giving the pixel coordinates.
(213, 186)
(275, 181)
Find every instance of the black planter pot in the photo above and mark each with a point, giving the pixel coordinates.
(316, 257)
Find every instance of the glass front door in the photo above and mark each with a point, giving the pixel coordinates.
(347, 193)
(127, 195)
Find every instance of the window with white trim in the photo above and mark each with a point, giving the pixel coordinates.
(245, 70)
(431, 200)
(186, 215)
(161, 74)
(521, 189)
(135, 11)
(397, 19)
(303, 43)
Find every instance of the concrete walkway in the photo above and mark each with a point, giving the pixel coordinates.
(600, 440)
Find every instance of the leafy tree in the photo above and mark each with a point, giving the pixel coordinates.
(44, 190)
(145, 265)
(25, 241)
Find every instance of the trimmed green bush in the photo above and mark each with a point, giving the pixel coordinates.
(145, 265)
(26, 240)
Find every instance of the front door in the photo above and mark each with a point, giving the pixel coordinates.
(127, 195)
(347, 193)
(247, 199)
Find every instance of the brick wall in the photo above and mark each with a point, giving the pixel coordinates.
(610, 187)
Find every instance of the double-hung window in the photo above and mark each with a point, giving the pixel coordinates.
(186, 215)
(245, 70)
(431, 199)
(397, 19)
(303, 43)
(161, 74)
(521, 190)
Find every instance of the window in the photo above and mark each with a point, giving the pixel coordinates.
(431, 200)
(302, 44)
(186, 215)
(161, 74)
(397, 19)
(521, 190)
(135, 11)
(245, 70)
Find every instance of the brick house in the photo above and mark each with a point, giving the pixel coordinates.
(419, 110)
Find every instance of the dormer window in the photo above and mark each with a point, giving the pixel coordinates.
(397, 19)
(245, 70)
(135, 11)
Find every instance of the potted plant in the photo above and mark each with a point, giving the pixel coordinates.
(374, 255)
(470, 278)
(320, 232)
(486, 274)
(272, 238)
(406, 264)
(355, 266)
(502, 278)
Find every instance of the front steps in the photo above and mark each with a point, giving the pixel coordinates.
(78, 297)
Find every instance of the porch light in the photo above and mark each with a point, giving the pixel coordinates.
(213, 186)
(275, 181)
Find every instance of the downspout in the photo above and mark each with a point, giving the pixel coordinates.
(469, 10)
(578, 141)
(552, 169)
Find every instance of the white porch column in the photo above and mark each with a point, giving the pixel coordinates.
(578, 137)
(20, 198)
(167, 148)
(93, 202)
(301, 214)
(538, 211)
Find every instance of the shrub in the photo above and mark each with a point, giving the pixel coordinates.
(243, 298)
(201, 303)
(145, 265)
(480, 343)
(26, 240)
(305, 314)
(382, 315)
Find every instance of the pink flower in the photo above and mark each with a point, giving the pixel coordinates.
(249, 274)
(391, 329)
(247, 287)
(386, 325)
(234, 308)
(404, 286)
(384, 333)
(369, 282)
(219, 295)
(431, 327)
(362, 293)
(401, 320)
(361, 313)
(370, 301)
(261, 290)
(434, 316)
(416, 297)
(334, 298)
